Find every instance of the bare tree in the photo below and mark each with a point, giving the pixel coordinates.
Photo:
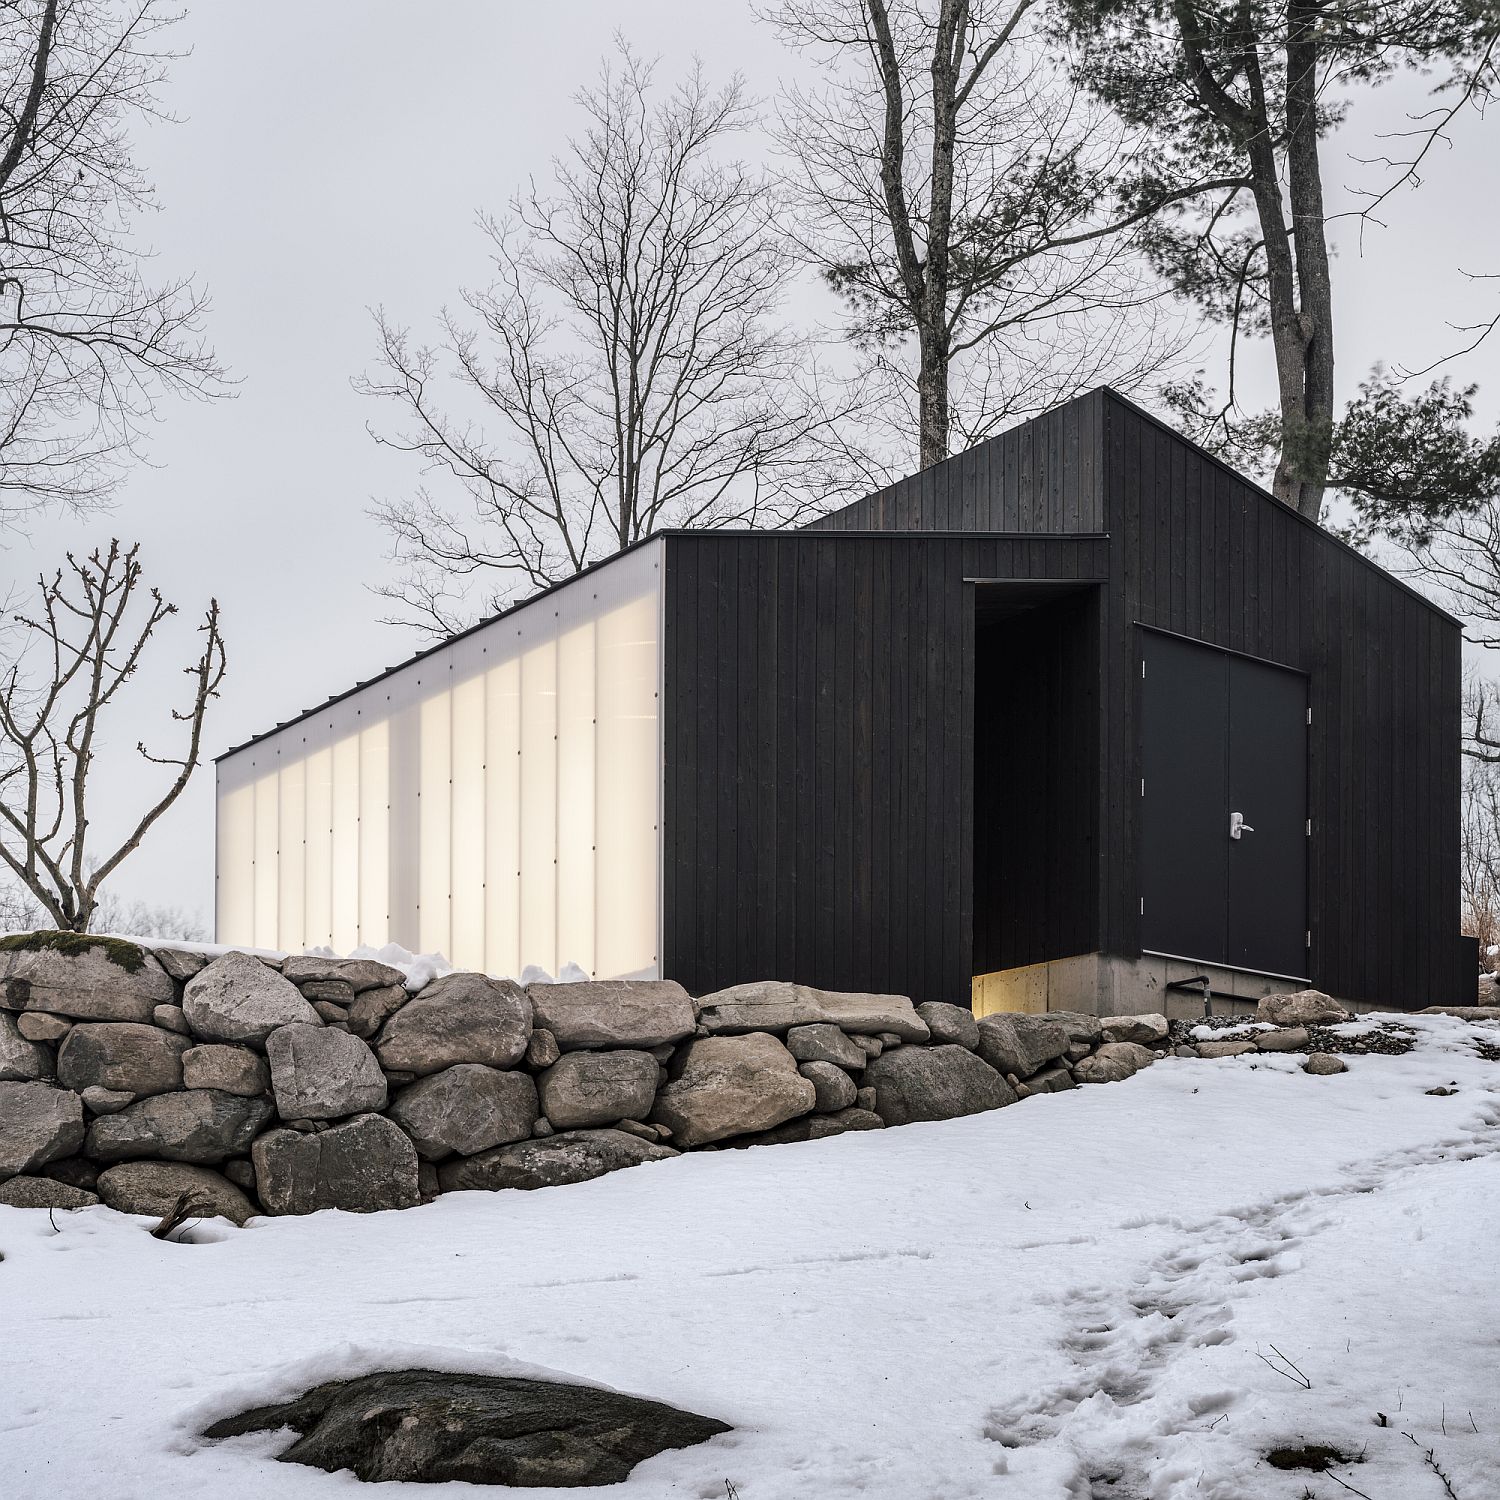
(624, 372)
(87, 345)
(90, 641)
(1237, 97)
(1480, 881)
(952, 183)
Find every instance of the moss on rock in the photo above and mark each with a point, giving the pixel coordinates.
(131, 957)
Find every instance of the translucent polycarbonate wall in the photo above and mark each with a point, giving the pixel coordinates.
(496, 800)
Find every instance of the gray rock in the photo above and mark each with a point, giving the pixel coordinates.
(318, 1074)
(238, 999)
(1185, 1050)
(774, 1005)
(1229, 1048)
(950, 1025)
(428, 1186)
(331, 1014)
(231, 1070)
(864, 1099)
(569, 1156)
(460, 1018)
(21, 1060)
(99, 1100)
(428, 1427)
(363, 1166)
(542, 1050)
(154, 1187)
(1077, 1051)
(724, 1086)
(104, 980)
(180, 963)
(871, 1046)
(1113, 1063)
(1051, 1081)
(542, 1128)
(38, 1124)
(1288, 1039)
(1021, 1044)
(126, 1056)
(1079, 1026)
(334, 991)
(586, 1089)
(1324, 1064)
(38, 1026)
(663, 1051)
(629, 1013)
(467, 1108)
(640, 1130)
(833, 1088)
(171, 1018)
(934, 1083)
(373, 1008)
(241, 1172)
(1148, 1030)
(44, 1192)
(196, 1125)
(76, 1171)
(359, 974)
(1463, 1012)
(812, 1128)
(821, 1042)
(1301, 1008)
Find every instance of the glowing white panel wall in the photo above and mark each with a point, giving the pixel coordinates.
(496, 799)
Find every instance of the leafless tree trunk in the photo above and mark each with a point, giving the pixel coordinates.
(952, 183)
(90, 642)
(623, 373)
(86, 344)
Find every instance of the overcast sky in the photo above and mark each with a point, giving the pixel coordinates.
(332, 156)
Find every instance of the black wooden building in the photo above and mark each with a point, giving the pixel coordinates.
(1073, 716)
(1067, 721)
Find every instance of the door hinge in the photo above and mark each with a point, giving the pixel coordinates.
(1309, 938)
(1143, 786)
(1143, 667)
(1309, 716)
(1309, 828)
(1143, 906)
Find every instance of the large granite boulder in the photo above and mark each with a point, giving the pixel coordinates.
(1080, 1026)
(774, 1005)
(238, 999)
(21, 1061)
(427, 1427)
(1148, 1030)
(230, 1069)
(460, 1018)
(196, 1125)
(626, 1013)
(38, 1124)
(1113, 1063)
(950, 1025)
(320, 1074)
(373, 1008)
(44, 1192)
(122, 1055)
(1301, 1008)
(934, 1083)
(821, 1042)
(1021, 1044)
(87, 978)
(363, 1166)
(584, 1089)
(722, 1086)
(467, 1108)
(358, 973)
(154, 1187)
(551, 1161)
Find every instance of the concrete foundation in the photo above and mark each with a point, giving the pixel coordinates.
(1105, 984)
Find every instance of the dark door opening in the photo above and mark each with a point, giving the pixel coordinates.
(1036, 773)
(1224, 808)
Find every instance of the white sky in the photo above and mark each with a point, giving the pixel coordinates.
(331, 157)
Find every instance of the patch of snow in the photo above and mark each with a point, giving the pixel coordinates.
(1098, 1292)
(1230, 1033)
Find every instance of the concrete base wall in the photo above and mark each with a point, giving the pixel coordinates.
(1105, 984)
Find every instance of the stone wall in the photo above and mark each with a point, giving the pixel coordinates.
(252, 1086)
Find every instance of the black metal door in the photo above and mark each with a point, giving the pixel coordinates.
(1223, 808)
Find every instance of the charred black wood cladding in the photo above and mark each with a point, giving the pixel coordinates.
(819, 754)
(821, 716)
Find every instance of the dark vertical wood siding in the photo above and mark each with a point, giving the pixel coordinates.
(1202, 552)
(818, 734)
(1038, 477)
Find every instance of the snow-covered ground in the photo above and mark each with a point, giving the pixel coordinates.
(1081, 1296)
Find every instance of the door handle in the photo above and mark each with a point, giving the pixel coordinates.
(1238, 825)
